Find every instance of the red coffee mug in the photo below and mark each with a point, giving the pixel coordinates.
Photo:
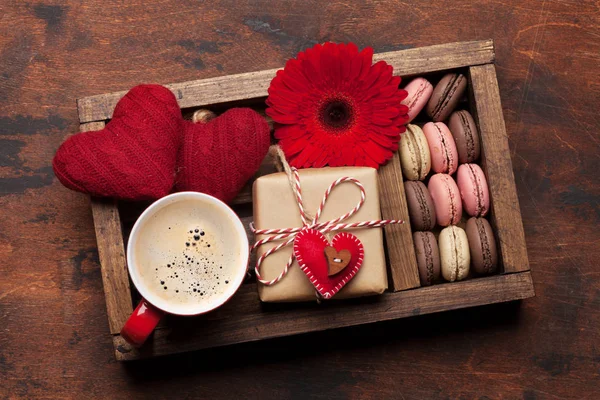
(153, 307)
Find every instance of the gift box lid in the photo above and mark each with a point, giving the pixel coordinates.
(275, 207)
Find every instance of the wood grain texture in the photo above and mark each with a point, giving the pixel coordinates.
(113, 262)
(111, 251)
(505, 214)
(404, 273)
(251, 85)
(245, 319)
(53, 325)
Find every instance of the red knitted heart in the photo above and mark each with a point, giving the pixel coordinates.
(220, 156)
(134, 156)
(309, 250)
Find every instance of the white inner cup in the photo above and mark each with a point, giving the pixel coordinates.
(187, 253)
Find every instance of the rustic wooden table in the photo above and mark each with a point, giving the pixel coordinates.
(53, 325)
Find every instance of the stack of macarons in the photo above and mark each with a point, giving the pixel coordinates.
(443, 182)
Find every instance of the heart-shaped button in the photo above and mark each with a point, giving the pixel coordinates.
(220, 156)
(134, 156)
(337, 260)
(311, 251)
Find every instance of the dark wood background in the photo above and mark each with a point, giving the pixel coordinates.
(53, 326)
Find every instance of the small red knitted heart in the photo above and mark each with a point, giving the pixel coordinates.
(309, 250)
(134, 156)
(220, 156)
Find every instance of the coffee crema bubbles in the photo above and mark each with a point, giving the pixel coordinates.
(185, 257)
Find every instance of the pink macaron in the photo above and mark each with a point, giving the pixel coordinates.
(444, 156)
(419, 90)
(446, 199)
(473, 189)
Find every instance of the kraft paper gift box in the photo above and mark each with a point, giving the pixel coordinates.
(275, 207)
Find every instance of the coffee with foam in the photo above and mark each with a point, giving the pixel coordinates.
(188, 256)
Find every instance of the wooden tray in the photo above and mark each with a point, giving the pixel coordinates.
(245, 318)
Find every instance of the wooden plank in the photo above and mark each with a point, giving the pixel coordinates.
(404, 273)
(423, 60)
(505, 214)
(245, 319)
(111, 251)
(253, 85)
(245, 195)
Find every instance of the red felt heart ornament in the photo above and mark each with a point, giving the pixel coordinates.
(134, 156)
(220, 156)
(310, 251)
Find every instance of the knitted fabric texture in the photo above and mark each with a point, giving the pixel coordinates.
(134, 156)
(220, 156)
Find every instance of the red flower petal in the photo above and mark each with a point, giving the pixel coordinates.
(376, 152)
(375, 72)
(289, 132)
(321, 160)
(355, 68)
(366, 57)
(292, 147)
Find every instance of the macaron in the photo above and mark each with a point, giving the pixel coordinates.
(428, 257)
(420, 206)
(465, 135)
(419, 90)
(444, 157)
(482, 244)
(455, 255)
(446, 199)
(473, 189)
(414, 154)
(446, 95)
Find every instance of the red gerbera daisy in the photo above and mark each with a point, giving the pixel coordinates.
(334, 107)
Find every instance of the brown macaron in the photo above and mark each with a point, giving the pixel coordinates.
(421, 209)
(466, 136)
(428, 257)
(446, 95)
(484, 254)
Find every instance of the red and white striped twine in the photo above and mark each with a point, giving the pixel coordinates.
(289, 234)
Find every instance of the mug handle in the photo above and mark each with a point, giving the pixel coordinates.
(141, 323)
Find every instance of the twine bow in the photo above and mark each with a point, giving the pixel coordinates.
(289, 234)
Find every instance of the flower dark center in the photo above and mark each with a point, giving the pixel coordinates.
(337, 114)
